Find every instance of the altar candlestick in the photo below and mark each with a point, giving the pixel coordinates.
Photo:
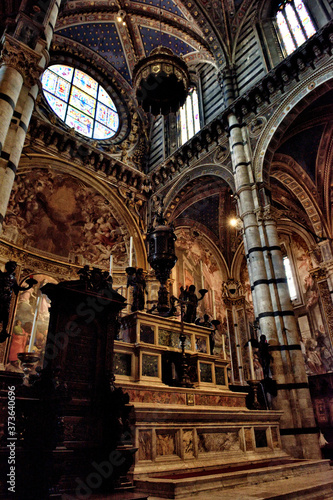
(111, 262)
(251, 361)
(131, 251)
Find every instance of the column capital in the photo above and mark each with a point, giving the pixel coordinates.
(22, 58)
(267, 214)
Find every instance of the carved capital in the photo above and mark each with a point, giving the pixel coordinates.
(267, 214)
(22, 58)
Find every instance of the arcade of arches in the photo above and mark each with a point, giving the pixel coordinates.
(249, 195)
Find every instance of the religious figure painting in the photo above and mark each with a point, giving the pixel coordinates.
(31, 322)
(58, 215)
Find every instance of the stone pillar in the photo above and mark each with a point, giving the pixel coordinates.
(320, 276)
(23, 59)
(227, 82)
(273, 306)
(289, 342)
(234, 302)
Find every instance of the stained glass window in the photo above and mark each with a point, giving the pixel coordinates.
(294, 24)
(189, 119)
(80, 102)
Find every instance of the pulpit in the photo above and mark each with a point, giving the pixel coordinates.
(96, 420)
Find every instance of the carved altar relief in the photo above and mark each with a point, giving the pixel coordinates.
(218, 441)
(165, 443)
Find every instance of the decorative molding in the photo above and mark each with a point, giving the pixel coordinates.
(22, 58)
(267, 92)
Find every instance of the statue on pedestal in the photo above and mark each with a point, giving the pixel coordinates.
(137, 280)
(191, 302)
(265, 356)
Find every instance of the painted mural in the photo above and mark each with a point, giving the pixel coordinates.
(246, 286)
(30, 324)
(315, 341)
(198, 264)
(57, 215)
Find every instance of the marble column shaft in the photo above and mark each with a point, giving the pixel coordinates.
(255, 258)
(20, 68)
(295, 402)
(11, 82)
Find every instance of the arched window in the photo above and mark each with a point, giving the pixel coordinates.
(294, 24)
(290, 278)
(80, 102)
(188, 117)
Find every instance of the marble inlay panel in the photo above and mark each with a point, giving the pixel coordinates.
(201, 343)
(165, 443)
(188, 444)
(206, 372)
(122, 363)
(145, 445)
(218, 441)
(249, 445)
(149, 365)
(219, 375)
(171, 339)
(147, 334)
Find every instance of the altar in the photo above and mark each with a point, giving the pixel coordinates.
(177, 427)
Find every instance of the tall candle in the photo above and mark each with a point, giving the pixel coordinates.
(202, 276)
(223, 346)
(34, 326)
(111, 262)
(131, 251)
(213, 304)
(251, 361)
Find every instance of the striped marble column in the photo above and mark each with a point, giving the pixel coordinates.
(291, 353)
(20, 69)
(297, 422)
(244, 188)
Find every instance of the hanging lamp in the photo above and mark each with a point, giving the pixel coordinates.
(161, 82)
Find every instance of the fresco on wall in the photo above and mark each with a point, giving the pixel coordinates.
(58, 215)
(30, 324)
(245, 281)
(198, 265)
(315, 341)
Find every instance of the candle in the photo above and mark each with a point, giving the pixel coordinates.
(223, 346)
(251, 361)
(202, 276)
(213, 304)
(131, 251)
(34, 326)
(111, 262)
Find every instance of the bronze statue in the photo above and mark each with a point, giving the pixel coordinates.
(265, 357)
(137, 281)
(191, 302)
(8, 285)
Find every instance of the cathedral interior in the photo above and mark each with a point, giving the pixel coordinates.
(235, 162)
